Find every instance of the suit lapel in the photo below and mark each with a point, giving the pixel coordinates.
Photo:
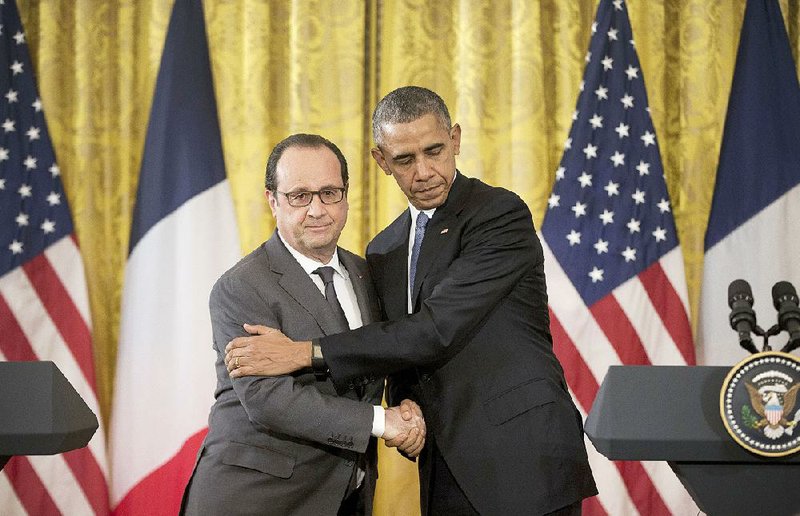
(394, 267)
(439, 231)
(359, 282)
(297, 284)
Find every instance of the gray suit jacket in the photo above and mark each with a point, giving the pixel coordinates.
(284, 445)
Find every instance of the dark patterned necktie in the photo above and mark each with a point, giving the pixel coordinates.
(326, 273)
(419, 234)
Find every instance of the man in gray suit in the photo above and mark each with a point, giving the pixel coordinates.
(292, 444)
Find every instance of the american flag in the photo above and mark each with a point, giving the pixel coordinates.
(44, 308)
(613, 262)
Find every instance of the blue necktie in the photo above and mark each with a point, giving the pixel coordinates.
(419, 234)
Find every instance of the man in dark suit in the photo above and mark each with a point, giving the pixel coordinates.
(467, 331)
(293, 444)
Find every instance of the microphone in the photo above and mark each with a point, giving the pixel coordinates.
(784, 298)
(742, 318)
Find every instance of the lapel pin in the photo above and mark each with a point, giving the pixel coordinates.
(445, 230)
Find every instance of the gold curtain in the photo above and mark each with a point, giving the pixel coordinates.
(508, 69)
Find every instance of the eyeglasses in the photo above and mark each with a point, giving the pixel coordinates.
(326, 195)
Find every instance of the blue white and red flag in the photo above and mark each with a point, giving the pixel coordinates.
(184, 236)
(756, 203)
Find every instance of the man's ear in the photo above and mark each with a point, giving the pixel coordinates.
(271, 200)
(455, 136)
(379, 158)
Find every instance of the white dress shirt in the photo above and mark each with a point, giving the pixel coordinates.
(347, 298)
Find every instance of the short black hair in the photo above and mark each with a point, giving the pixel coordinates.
(405, 105)
(312, 141)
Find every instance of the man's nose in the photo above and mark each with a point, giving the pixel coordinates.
(424, 169)
(316, 208)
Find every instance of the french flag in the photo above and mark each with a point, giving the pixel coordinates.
(752, 231)
(183, 238)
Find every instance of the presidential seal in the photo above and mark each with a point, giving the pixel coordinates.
(758, 403)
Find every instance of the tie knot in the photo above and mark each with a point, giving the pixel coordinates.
(422, 221)
(326, 273)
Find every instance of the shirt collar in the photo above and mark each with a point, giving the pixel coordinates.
(310, 265)
(415, 213)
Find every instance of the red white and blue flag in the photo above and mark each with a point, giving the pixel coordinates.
(44, 306)
(616, 284)
(183, 238)
(751, 232)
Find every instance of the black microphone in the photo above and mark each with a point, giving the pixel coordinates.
(784, 298)
(742, 318)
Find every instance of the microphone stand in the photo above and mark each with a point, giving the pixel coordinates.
(774, 330)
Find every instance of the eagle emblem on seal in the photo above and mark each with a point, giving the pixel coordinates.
(772, 401)
(759, 405)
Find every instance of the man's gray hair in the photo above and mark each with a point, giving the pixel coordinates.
(405, 105)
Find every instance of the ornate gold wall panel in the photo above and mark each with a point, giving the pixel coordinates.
(509, 70)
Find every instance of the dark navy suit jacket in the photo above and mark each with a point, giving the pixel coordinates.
(477, 352)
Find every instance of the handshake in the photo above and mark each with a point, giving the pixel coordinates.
(269, 352)
(405, 428)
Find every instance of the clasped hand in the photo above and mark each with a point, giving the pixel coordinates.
(265, 352)
(405, 428)
(268, 352)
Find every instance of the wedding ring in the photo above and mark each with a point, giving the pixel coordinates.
(236, 363)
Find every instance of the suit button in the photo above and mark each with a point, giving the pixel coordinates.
(349, 463)
(425, 377)
(351, 386)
